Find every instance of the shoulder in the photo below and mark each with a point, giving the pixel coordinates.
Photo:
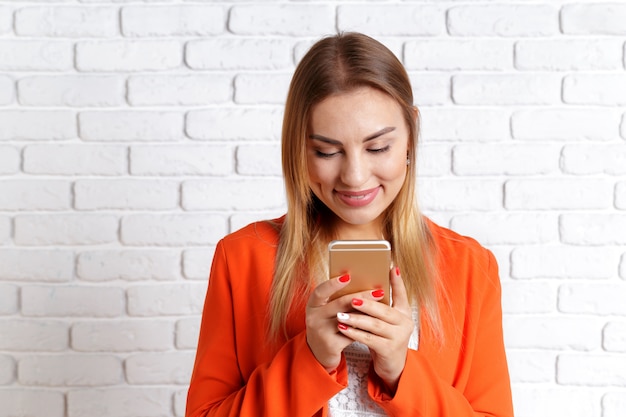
(260, 235)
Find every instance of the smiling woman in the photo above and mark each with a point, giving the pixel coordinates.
(275, 342)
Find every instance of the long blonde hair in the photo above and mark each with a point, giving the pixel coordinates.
(334, 65)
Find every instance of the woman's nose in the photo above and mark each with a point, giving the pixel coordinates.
(354, 171)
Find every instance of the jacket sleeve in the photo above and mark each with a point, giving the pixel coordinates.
(292, 382)
(485, 391)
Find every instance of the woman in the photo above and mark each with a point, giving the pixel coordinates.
(271, 341)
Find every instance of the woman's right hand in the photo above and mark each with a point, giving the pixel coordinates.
(322, 335)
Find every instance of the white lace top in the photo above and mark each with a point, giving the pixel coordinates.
(353, 401)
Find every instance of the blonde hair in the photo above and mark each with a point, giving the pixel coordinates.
(334, 65)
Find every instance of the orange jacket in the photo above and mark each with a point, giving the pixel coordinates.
(237, 373)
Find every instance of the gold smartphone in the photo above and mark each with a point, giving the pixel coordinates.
(367, 262)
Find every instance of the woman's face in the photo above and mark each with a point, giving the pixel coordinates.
(356, 154)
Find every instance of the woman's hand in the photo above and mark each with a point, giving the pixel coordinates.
(383, 329)
(322, 335)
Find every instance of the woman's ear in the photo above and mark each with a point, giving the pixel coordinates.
(415, 113)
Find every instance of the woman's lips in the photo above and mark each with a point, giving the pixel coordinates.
(358, 198)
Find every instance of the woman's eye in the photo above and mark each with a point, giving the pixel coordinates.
(379, 150)
(325, 154)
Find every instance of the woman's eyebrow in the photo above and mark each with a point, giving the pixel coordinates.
(373, 136)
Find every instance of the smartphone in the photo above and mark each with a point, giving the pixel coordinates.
(367, 262)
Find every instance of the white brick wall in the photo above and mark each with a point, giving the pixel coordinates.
(135, 134)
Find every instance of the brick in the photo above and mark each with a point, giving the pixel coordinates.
(191, 90)
(7, 370)
(563, 262)
(32, 403)
(434, 160)
(507, 228)
(159, 368)
(613, 404)
(547, 401)
(33, 336)
(464, 124)
(558, 194)
(246, 53)
(37, 125)
(455, 54)
(125, 194)
(259, 160)
(591, 370)
(35, 195)
(6, 19)
(550, 332)
(36, 265)
(620, 195)
(31, 55)
(587, 159)
(528, 297)
(125, 55)
(9, 159)
(237, 194)
(71, 91)
(128, 265)
(261, 88)
(64, 21)
(122, 336)
(235, 124)
(8, 300)
(430, 89)
(622, 267)
(6, 229)
(187, 332)
(173, 229)
(531, 366)
(460, 195)
(614, 337)
(503, 20)
(119, 402)
(7, 93)
(600, 89)
(131, 126)
(66, 229)
(565, 124)
(593, 229)
(166, 299)
(568, 54)
(393, 20)
(197, 263)
(595, 298)
(593, 19)
(72, 301)
(505, 159)
(292, 20)
(76, 159)
(180, 403)
(188, 20)
(69, 370)
(181, 160)
(506, 89)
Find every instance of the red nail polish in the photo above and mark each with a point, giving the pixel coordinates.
(378, 293)
(342, 326)
(397, 271)
(357, 302)
(344, 278)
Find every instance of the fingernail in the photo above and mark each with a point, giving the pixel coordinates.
(397, 271)
(342, 326)
(357, 302)
(378, 293)
(343, 316)
(344, 278)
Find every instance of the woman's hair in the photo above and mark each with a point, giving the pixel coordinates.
(335, 65)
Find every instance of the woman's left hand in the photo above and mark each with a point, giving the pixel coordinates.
(384, 329)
